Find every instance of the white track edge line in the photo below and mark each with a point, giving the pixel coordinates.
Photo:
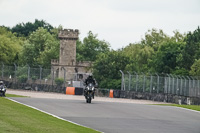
(52, 114)
(187, 109)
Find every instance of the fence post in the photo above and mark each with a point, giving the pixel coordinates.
(64, 75)
(198, 91)
(129, 81)
(151, 80)
(168, 88)
(52, 78)
(182, 91)
(180, 87)
(172, 84)
(40, 75)
(15, 72)
(2, 70)
(177, 89)
(28, 71)
(189, 88)
(185, 87)
(165, 83)
(193, 87)
(122, 83)
(144, 81)
(136, 81)
(158, 81)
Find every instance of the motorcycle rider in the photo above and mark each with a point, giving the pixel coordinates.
(89, 80)
(2, 86)
(1, 83)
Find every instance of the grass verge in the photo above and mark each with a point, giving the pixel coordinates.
(193, 107)
(17, 118)
(13, 95)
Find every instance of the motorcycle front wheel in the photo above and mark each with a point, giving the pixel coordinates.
(88, 100)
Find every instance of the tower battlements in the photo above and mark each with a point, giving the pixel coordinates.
(68, 34)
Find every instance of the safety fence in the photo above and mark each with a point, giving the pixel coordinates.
(143, 83)
(39, 75)
(168, 84)
(41, 79)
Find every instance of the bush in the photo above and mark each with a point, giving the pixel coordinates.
(22, 78)
(59, 81)
(34, 78)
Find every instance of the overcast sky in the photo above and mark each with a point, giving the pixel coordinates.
(118, 22)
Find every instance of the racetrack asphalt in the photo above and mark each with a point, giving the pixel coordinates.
(117, 117)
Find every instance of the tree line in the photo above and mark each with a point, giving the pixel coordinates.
(37, 43)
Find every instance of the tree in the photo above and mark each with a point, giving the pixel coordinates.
(106, 69)
(192, 48)
(154, 38)
(10, 46)
(178, 37)
(139, 56)
(40, 48)
(166, 58)
(24, 29)
(28, 55)
(91, 47)
(195, 68)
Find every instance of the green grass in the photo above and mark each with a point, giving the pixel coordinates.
(17, 118)
(13, 95)
(193, 107)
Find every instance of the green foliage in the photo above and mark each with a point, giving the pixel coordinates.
(37, 43)
(59, 81)
(165, 59)
(91, 47)
(10, 46)
(34, 78)
(24, 29)
(180, 71)
(13, 95)
(22, 74)
(195, 68)
(154, 38)
(192, 48)
(40, 48)
(22, 71)
(106, 69)
(22, 78)
(192, 107)
(139, 56)
(156, 53)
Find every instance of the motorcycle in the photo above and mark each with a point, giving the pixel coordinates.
(89, 92)
(2, 90)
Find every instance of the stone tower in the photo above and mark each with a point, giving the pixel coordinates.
(68, 39)
(67, 66)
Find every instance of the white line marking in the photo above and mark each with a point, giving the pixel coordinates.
(187, 109)
(51, 114)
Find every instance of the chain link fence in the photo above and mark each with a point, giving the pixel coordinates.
(167, 84)
(27, 74)
(41, 79)
(152, 83)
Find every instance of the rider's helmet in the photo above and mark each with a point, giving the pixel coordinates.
(1, 82)
(90, 77)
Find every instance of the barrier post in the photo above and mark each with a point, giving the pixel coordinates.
(111, 94)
